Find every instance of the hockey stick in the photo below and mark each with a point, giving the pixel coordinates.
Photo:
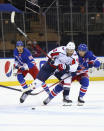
(11, 88)
(58, 82)
(24, 34)
(7, 87)
(52, 85)
(14, 89)
(19, 90)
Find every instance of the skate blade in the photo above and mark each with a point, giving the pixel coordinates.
(68, 104)
(80, 104)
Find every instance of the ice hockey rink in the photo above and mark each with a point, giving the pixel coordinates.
(15, 116)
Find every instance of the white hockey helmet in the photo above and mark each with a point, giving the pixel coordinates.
(70, 45)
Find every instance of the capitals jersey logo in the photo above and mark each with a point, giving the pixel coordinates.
(8, 69)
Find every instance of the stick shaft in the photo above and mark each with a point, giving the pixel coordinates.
(27, 37)
(53, 85)
(59, 81)
(7, 87)
(14, 89)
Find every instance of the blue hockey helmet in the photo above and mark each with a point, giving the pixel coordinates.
(19, 43)
(83, 47)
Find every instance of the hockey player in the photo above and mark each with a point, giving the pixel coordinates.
(24, 63)
(86, 60)
(61, 60)
(66, 83)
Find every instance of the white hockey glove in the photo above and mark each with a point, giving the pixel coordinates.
(24, 67)
(14, 71)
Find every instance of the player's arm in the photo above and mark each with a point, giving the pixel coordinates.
(16, 60)
(16, 64)
(29, 60)
(54, 54)
(74, 65)
(93, 61)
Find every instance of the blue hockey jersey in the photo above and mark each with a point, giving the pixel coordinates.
(88, 61)
(23, 58)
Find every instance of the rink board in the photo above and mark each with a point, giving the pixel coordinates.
(7, 78)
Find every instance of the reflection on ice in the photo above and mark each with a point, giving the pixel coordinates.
(16, 116)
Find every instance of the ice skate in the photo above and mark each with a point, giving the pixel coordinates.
(80, 101)
(47, 100)
(67, 101)
(24, 96)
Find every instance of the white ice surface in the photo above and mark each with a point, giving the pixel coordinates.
(20, 117)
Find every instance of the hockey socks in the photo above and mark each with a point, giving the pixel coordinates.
(82, 91)
(46, 88)
(56, 91)
(53, 93)
(22, 81)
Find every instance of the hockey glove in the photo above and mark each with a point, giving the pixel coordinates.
(24, 67)
(86, 65)
(14, 71)
(62, 67)
(67, 68)
(51, 61)
(95, 64)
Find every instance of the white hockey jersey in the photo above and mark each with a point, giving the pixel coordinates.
(60, 57)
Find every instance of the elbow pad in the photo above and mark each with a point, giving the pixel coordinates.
(97, 64)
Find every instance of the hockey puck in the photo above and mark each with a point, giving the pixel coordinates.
(33, 108)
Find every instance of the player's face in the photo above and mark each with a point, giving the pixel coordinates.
(82, 53)
(69, 52)
(20, 49)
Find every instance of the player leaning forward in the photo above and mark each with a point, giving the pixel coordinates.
(65, 75)
(24, 63)
(63, 59)
(86, 60)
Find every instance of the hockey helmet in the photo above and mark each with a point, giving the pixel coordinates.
(71, 45)
(19, 43)
(83, 47)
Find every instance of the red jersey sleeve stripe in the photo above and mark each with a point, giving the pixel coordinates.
(55, 54)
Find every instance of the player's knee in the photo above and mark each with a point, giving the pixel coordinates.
(20, 78)
(58, 88)
(37, 83)
(84, 82)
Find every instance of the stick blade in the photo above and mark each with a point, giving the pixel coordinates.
(12, 16)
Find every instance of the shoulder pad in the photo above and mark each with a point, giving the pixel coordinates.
(89, 53)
